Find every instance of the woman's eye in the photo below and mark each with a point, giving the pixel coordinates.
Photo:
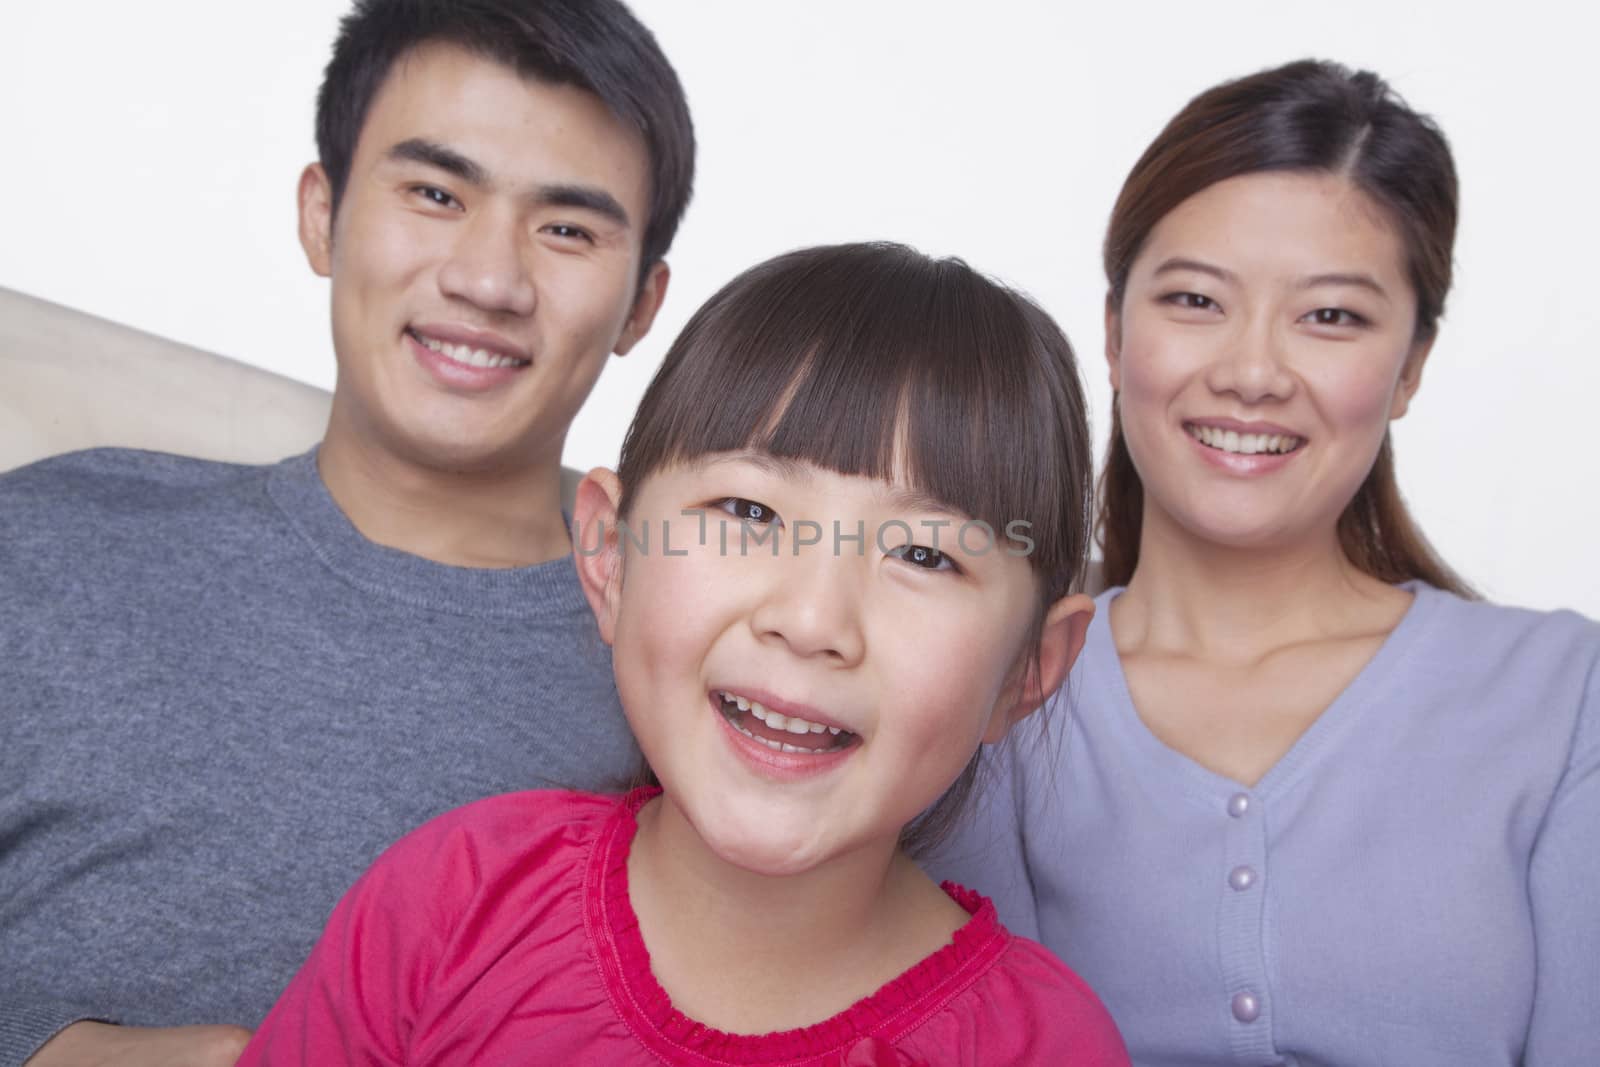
(1191, 301)
(922, 556)
(1335, 317)
(749, 510)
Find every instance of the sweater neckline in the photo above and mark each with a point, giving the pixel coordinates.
(1206, 786)
(895, 1009)
(543, 590)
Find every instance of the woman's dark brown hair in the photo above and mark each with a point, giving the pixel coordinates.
(875, 360)
(1309, 116)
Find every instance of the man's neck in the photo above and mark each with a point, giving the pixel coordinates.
(497, 518)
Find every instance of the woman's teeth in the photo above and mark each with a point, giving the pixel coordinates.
(1247, 444)
(777, 721)
(465, 354)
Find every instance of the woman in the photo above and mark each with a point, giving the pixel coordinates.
(1309, 801)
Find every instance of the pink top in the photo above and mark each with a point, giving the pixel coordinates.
(503, 929)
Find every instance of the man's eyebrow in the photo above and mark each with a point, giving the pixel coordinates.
(558, 194)
(585, 198)
(433, 154)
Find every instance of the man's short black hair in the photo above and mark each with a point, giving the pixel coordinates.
(596, 45)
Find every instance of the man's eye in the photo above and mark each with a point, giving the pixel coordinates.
(436, 195)
(575, 233)
(922, 556)
(749, 510)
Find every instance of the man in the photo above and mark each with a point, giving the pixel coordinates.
(223, 689)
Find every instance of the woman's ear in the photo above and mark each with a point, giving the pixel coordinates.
(1114, 344)
(1410, 377)
(595, 547)
(1066, 625)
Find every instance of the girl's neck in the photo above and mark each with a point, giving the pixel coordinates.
(750, 953)
(1194, 597)
(488, 519)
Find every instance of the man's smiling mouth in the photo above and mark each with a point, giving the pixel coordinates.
(779, 732)
(466, 355)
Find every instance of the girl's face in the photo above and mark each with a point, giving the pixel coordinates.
(1264, 342)
(808, 659)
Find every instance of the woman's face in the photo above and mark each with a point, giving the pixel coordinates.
(1264, 342)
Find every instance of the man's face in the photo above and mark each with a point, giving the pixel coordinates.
(485, 260)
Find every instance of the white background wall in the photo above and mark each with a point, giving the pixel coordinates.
(149, 152)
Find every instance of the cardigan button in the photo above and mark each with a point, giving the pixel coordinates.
(1238, 804)
(1246, 1008)
(1241, 878)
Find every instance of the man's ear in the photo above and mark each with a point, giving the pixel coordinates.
(1066, 625)
(652, 291)
(1114, 344)
(1410, 377)
(316, 218)
(596, 549)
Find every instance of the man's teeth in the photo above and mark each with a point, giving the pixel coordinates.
(472, 357)
(1247, 444)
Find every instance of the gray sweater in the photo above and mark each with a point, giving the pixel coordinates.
(219, 703)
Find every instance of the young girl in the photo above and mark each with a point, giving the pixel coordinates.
(1318, 804)
(837, 556)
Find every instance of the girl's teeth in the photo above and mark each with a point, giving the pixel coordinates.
(776, 720)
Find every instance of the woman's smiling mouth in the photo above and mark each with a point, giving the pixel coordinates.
(1247, 444)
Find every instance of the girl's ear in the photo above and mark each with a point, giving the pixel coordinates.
(1066, 625)
(595, 547)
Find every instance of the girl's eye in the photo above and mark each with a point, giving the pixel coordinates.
(749, 510)
(435, 195)
(1190, 301)
(930, 559)
(1335, 317)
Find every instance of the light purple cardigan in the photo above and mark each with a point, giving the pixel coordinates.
(1417, 881)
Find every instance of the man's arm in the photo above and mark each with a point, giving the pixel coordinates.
(93, 1044)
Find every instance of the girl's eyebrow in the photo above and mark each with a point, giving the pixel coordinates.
(907, 499)
(902, 498)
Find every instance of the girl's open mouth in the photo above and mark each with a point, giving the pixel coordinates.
(779, 732)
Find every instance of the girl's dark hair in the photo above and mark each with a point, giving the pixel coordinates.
(596, 45)
(875, 360)
(1310, 116)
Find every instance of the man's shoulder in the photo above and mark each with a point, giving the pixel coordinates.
(116, 479)
(108, 475)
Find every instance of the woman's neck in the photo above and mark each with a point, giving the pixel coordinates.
(1196, 597)
(750, 953)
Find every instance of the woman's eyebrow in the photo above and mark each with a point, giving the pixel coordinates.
(1178, 263)
(1356, 278)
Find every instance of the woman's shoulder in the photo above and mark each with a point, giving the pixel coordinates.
(1480, 633)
